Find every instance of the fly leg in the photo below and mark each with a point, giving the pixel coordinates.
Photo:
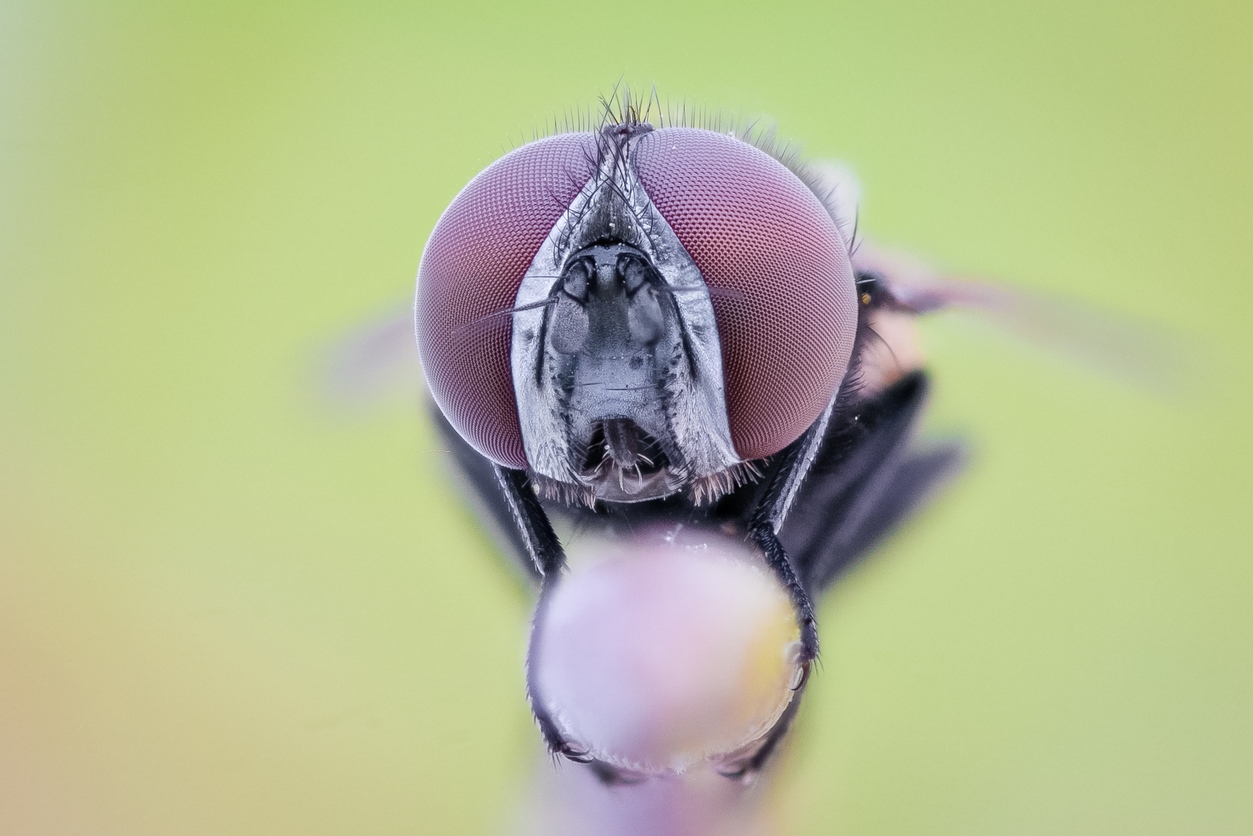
(870, 476)
(510, 506)
(830, 483)
(762, 532)
(764, 521)
(549, 560)
(532, 523)
(840, 489)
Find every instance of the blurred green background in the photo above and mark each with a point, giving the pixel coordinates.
(229, 607)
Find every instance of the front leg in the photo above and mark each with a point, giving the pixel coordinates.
(774, 501)
(549, 559)
(764, 537)
(532, 523)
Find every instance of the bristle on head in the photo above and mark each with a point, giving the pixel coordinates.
(624, 106)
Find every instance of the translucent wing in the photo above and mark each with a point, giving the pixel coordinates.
(1108, 342)
(1118, 346)
(368, 363)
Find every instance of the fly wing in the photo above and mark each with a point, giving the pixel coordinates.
(869, 476)
(1116, 345)
(378, 359)
(1104, 341)
(368, 363)
(904, 489)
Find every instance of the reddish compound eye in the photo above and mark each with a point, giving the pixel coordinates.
(751, 225)
(471, 269)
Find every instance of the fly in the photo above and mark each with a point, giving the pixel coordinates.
(643, 326)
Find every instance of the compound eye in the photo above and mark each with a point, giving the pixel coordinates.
(753, 226)
(471, 269)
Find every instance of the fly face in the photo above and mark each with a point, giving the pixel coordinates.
(636, 312)
(612, 365)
